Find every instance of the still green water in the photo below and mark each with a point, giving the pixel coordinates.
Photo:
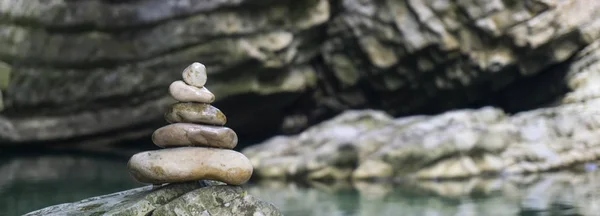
(32, 182)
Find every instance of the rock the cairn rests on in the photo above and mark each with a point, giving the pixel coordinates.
(196, 144)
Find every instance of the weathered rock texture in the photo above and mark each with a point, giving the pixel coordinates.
(456, 144)
(199, 198)
(184, 164)
(82, 68)
(92, 67)
(219, 200)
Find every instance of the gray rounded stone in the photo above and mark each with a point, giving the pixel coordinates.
(195, 75)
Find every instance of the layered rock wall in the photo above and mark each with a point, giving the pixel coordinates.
(91, 68)
(462, 143)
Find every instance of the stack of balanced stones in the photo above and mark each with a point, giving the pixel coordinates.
(196, 145)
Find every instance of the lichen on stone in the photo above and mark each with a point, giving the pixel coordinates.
(217, 200)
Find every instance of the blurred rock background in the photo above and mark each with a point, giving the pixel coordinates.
(98, 71)
(94, 75)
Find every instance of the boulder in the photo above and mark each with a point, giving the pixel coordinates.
(194, 198)
(371, 144)
(85, 69)
(217, 200)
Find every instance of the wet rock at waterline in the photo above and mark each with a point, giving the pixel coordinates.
(201, 113)
(456, 144)
(217, 200)
(190, 164)
(178, 197)
(195, 75)
(188, 134)
(183, 92)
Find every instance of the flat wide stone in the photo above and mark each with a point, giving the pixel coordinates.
(190, 164)
(195, 75)
(188, 134)
(195, 113)
(186, 93)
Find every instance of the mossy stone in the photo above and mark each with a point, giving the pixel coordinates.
(140, 201)
(191, 197)
(218, 200)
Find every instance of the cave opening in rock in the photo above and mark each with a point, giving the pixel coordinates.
(526, 93)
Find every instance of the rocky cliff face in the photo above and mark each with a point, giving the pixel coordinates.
(367, 144)
(71, 69)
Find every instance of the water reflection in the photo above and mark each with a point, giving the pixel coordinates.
(32, 182)
(564, 193)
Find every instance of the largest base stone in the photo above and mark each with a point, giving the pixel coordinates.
(193, 198)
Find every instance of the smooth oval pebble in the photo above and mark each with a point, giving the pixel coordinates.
(186, 93)
(185, 164)
(195, 75)
(188, 134)
(195, 113)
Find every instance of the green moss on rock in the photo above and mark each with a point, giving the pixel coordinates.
(139, 201)
(192, 198)
(217, 200)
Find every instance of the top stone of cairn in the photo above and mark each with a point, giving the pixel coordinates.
(195, 75)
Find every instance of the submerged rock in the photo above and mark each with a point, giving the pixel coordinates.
(183, 164)
(147, 201)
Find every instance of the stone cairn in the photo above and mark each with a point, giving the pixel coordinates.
(196, 145)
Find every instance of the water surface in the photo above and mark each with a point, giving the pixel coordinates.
(32, 182)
